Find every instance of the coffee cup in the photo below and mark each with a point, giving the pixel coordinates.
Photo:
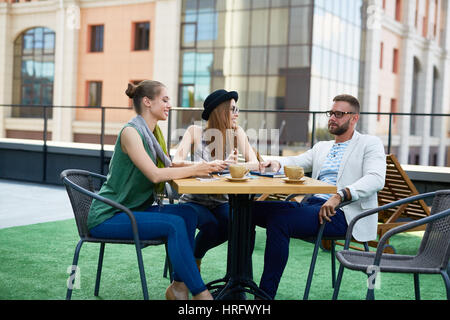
(294, 172)
(238, 170)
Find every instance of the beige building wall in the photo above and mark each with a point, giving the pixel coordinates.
(114, 67)
(119, 63)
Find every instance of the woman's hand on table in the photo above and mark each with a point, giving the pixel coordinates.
(232, 158)
(205, 168)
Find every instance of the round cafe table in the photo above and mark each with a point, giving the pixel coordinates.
(238, 278)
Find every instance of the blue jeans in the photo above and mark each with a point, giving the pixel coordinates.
(176, 222)
(284, 220)
(212, 225)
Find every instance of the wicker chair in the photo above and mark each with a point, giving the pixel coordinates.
(318, 241)
(432, 257)
(80, 188)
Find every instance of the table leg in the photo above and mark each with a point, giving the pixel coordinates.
(239, 276)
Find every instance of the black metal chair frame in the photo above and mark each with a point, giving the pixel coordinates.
(445, 271)
(86, 237)
(317, 240)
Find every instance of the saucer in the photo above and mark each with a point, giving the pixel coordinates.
(287, 180)
(237, 179)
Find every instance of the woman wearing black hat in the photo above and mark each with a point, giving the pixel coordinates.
(222, 140)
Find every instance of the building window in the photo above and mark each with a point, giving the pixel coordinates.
(398, 10)
(188, 35)
(379, 109)
(417, 14)
(94, 96)
(434, 161)
(141, 36)
(395, 61)
(34, 66)
(381, 55)
(394, 108)
(425, 27)
(436, 12)
(96, 38)
(417, 159)
(186, 93)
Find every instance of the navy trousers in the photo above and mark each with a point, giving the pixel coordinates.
(212, 225)
(177, 223)
(284, 220)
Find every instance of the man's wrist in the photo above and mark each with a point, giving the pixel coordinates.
(342, 194)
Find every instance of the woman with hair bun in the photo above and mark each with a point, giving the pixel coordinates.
(138, 169)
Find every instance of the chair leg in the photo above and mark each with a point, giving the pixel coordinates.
(416, 286)
(141, 270)
(333, 263)
(446, 277)
(166, 267)
(72, 274)
(169, 265)
(99, 268)
(370, 286)
(313, 262)
(366, 246)
(370, 294)
(311, 272)
(337, 285)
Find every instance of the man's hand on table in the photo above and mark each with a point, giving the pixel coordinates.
(274, 165)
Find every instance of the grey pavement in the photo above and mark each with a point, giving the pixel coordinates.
(24, 203)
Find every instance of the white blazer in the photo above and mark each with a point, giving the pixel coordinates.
(362, 171)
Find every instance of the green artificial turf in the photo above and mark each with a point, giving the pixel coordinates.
(34, 263)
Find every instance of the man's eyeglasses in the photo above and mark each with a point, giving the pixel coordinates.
(337, 114)
(234, 110)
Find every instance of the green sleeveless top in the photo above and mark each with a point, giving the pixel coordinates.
(124, 184)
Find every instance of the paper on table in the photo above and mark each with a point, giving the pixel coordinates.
(207, 179)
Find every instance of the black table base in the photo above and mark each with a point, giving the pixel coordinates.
(239, 277)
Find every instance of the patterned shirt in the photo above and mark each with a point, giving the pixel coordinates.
(330, 168)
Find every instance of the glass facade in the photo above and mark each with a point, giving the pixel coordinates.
(274, 53)
(337, 57)
(34, 68)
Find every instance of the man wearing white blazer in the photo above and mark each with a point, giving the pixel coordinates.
(354, 162)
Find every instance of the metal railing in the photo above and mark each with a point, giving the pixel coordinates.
(45, 109)
(314, 117)
(103, 111)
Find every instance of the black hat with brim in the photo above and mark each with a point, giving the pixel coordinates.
(216, 98)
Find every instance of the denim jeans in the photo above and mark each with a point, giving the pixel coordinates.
(212, 225)
(175, 222)
(284, 220)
